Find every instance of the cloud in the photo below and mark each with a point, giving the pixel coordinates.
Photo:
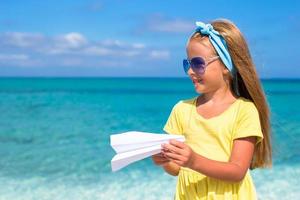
(35, 49)
(97, 51)
(64, 44)
(74, 39)
(163, 55)
(8, 57)
(19, 39)
(157, 23)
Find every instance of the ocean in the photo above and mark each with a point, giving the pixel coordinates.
(54, 137)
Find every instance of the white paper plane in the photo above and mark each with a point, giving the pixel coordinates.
(135, 145)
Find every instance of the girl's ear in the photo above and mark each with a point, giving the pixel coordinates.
(225, 71)
(226, 74)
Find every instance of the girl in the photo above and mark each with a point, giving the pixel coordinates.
(227, 127)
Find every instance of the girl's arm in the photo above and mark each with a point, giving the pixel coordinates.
(234, 170)
(170, 167)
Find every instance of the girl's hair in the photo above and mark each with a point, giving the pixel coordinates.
(249, 86)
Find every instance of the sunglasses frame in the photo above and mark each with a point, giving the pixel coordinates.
(206, 63)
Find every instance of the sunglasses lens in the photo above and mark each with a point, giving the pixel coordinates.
(186, 65)
(198, 65)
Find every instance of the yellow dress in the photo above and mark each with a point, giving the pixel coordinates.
(213, 138)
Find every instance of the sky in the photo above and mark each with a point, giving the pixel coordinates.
(135, 38)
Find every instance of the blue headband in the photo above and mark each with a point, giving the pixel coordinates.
(220, 46)
(217, 41)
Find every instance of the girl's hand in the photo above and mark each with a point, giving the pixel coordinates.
(179, 153)
(160, 159)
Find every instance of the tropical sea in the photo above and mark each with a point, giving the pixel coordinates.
(54, 137)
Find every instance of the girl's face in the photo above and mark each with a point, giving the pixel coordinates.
(214, 76)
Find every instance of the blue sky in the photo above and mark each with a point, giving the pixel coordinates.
(138, 38)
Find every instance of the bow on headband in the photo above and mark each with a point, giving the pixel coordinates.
(217, 41)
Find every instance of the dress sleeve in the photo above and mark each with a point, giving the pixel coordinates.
(174, 122)
(248, 123)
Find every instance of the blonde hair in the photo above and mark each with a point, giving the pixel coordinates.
(248, 84)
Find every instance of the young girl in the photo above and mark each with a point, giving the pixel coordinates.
(227, 127)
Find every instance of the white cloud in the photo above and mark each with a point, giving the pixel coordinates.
(13, 57)
(130, 53)
(176, 26)
(110, 42)
(72, 49)
(97, 51)
(160, 54)
(20, 60)
(73, 40)
(20, 39)
(138, 46)
(68, 43)
(158, 23)
(114, 63)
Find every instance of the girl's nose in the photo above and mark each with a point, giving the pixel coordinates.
(190, 72)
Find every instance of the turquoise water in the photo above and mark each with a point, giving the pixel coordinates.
(54, 137)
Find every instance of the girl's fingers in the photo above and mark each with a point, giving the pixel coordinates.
(177, 159)
(177, 144)
(162, 162)
(159, 155)
(173, 156)
(178, 162)
(160, 159)
(171, 148)
(177, 152)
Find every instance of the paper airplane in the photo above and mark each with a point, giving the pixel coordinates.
(135, 145)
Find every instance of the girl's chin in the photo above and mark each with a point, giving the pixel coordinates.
(199, 88)
(199, 91)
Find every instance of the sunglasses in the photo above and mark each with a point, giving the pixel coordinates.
(198, 64)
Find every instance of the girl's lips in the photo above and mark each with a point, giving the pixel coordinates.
(197, 81)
